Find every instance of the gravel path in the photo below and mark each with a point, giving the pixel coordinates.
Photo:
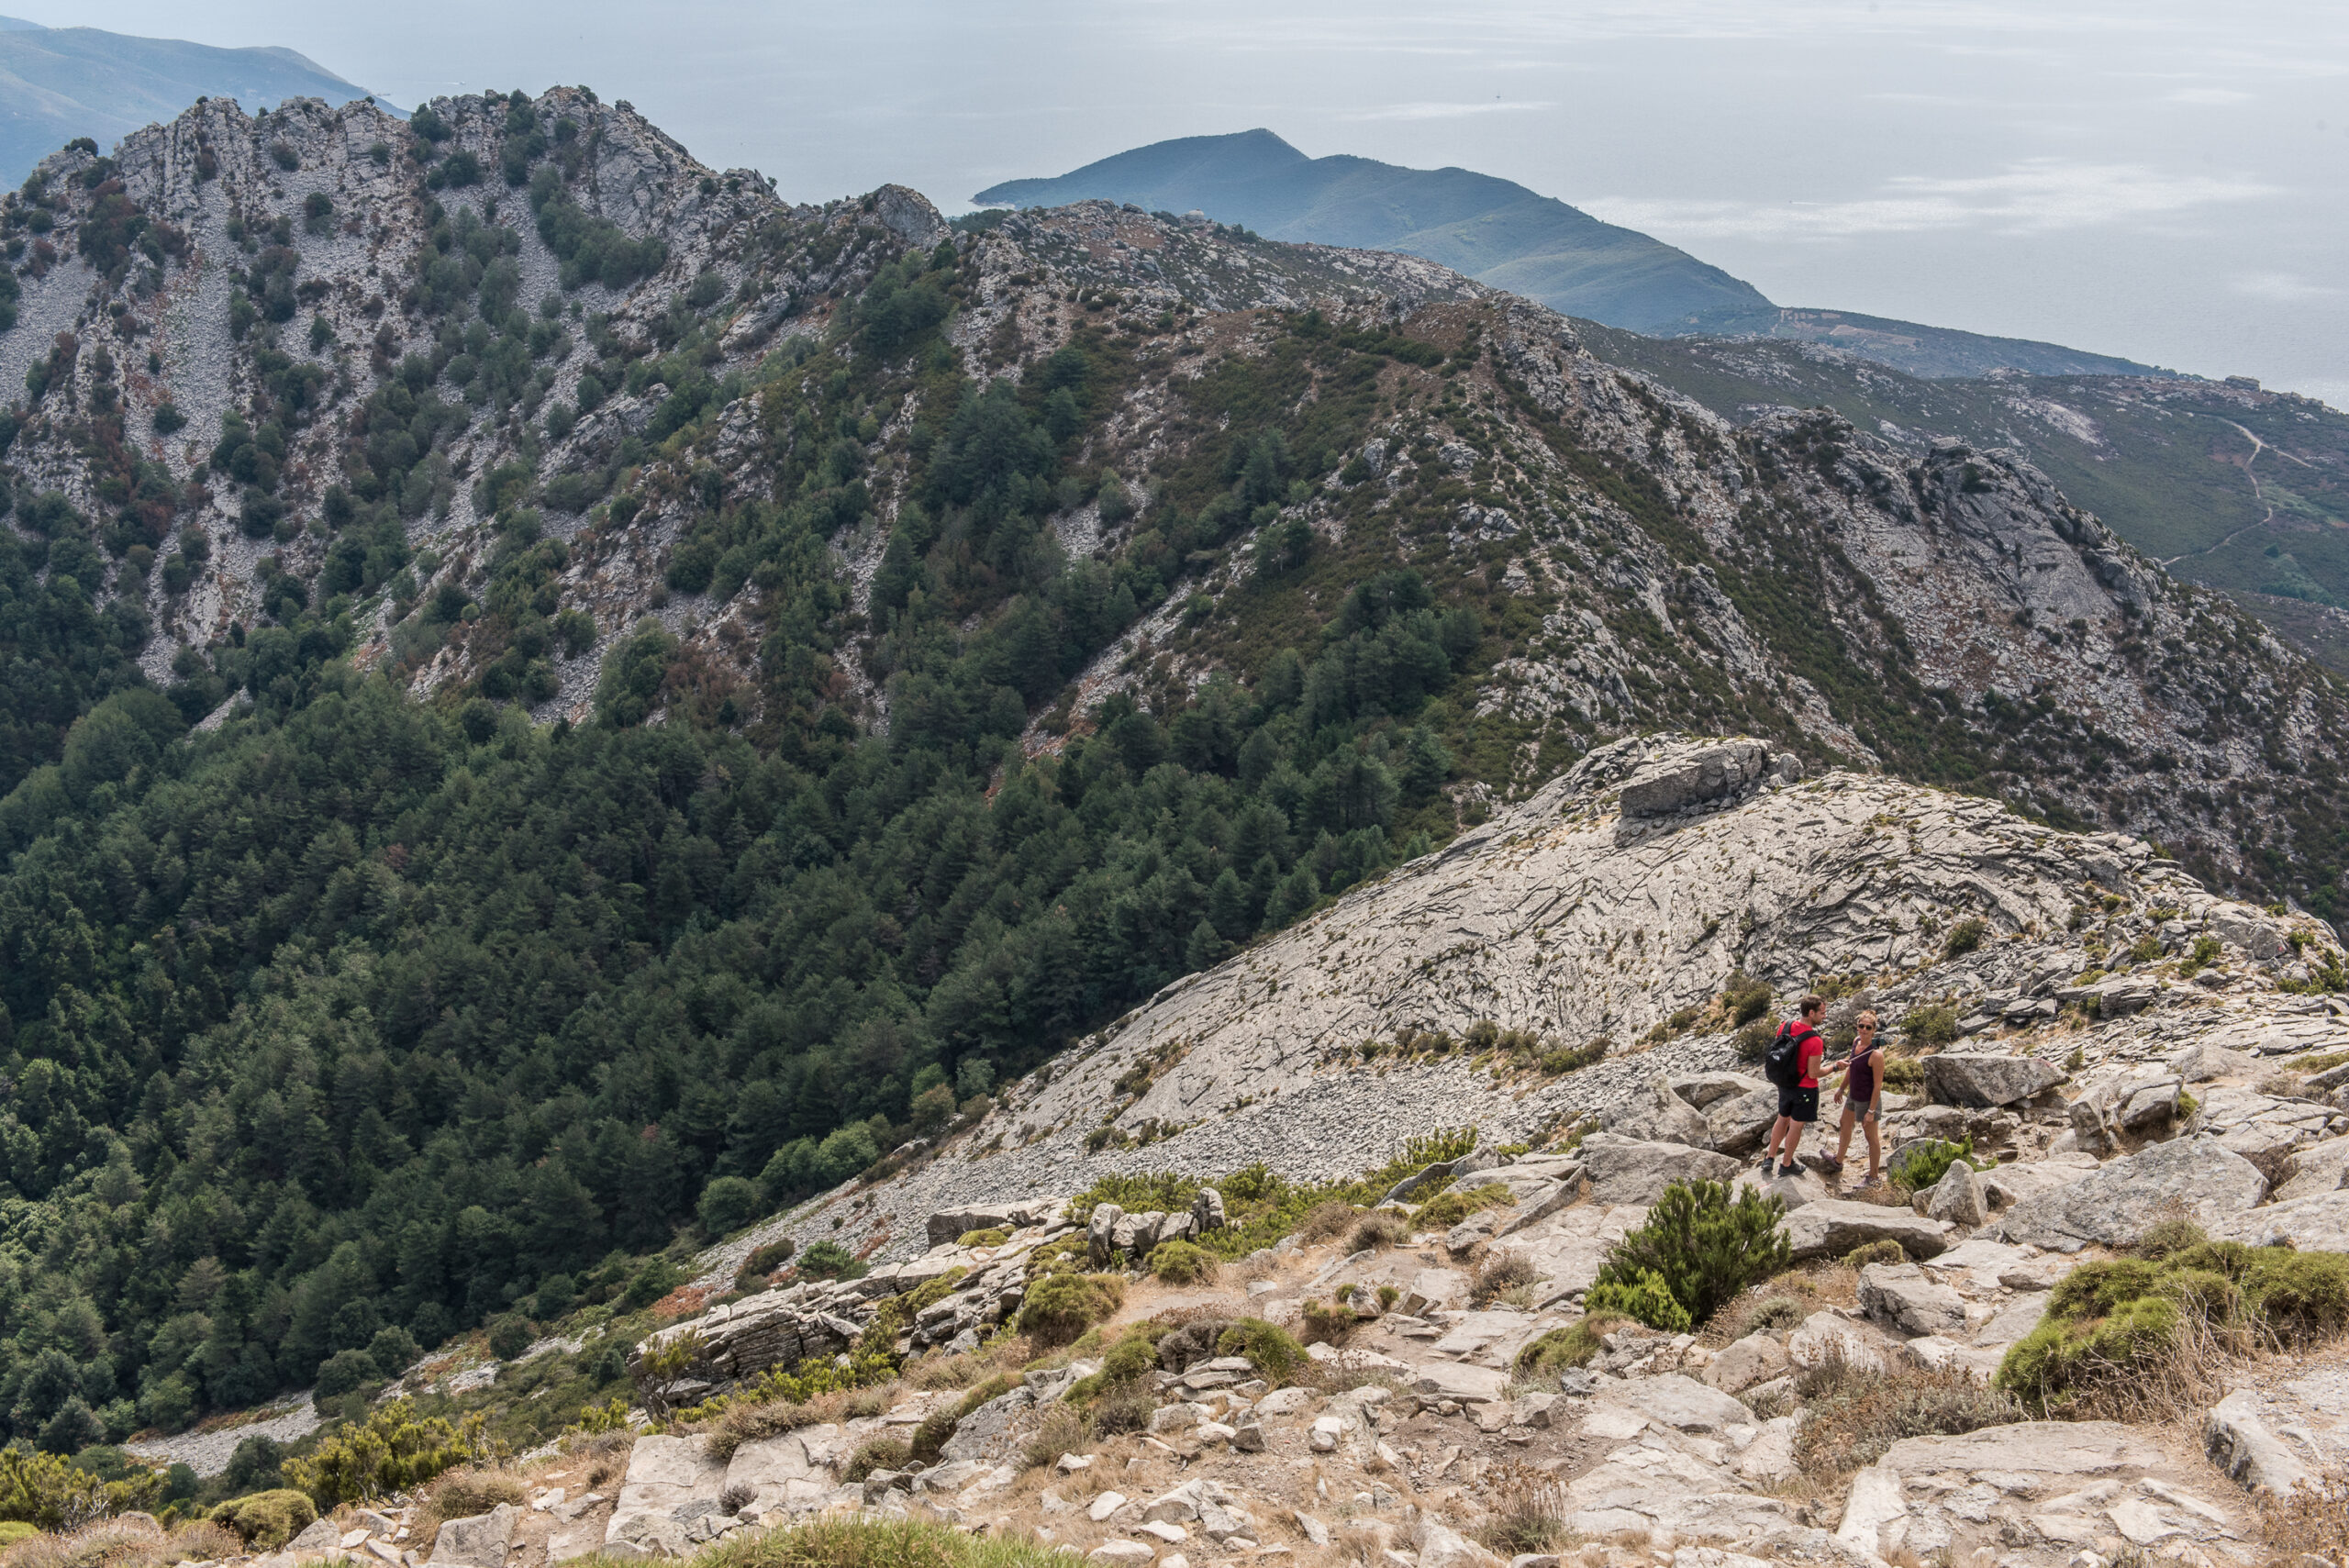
(207, 1453)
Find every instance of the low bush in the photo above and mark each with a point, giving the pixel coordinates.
(267, 1521)
(1064, 1305)
(1181, 1263)
(2165, 1236)
(1744, 998)
(136, 1541)
(1270, 1349)
(762, 1262)
(1922, 1167)
(1853, 1417)
(1643, 1297)
(1574, 1059)
(1752, 1041)
(1701, 1247)
(47, 1492)
(881, 1453)
(828, 1260)
(1529, 1514)
(1064, 1430)
(1903, 1075)
(1379, 1230)
(1883, 1252)
(750, 1422)
(1326, 1220)
(994, 1236)
(1327, 1322)
(852, 1542)
(391, 1450)
(1934, 1025)
(1447, 1209)
(2122, 1334)
(1573, 1345)
(1965, 937)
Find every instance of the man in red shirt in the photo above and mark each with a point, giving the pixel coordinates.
(1799, 1105)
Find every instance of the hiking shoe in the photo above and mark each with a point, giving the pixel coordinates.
(1768, 1161)
(1789, 1171)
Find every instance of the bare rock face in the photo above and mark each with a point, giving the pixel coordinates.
(1697, 775)
(1955, 1079)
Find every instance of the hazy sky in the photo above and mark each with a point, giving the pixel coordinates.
(2155, 178)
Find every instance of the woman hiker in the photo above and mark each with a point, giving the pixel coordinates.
(1863, 1097)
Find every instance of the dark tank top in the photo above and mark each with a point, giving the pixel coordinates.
(1861, 1084)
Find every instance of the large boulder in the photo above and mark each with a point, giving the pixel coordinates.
(2193, 1178)
(1704, 1090)
(1900, 1298)
(479, 1541)
(1662, 1118)
(1673, 1400)
(1985, 1082)
(1739, 1124)
(1958, 1197)
(1634, 1170)
(1693, 775)
(1831, 1230)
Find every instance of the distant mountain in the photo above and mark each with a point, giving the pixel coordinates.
(1499, 233)
(1494, 230)
(57, 83)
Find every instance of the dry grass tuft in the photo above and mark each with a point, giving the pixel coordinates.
(753, 1423)
(1326, 1220)
(1501, 1274)
(1853, 1417)
(459, 1495)
(1529, 1513)
(2313, 1520)
(132, 1540)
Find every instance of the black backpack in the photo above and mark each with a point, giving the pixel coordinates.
(1783, 1064)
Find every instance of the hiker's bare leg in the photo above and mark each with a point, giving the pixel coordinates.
(1876, 1151)
(1844, 1133)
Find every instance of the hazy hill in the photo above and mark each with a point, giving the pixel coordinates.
(1492, 229)
(1498, 232)
(59, 83)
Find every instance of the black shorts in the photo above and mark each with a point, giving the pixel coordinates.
(1802, 1105)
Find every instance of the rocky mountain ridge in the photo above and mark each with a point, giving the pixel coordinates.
(1948, 616)
(1428, 999)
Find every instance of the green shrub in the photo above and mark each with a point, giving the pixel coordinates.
(994, 1235)
(2165, 1236)
(344, 1371)
(1883, 1252)
(50, 1493)
(1181, 1263)
(1744, 998)
(1702, 1247)
(1327, 1322)
(762, 1262)
(881, 1453)
(828, 1260)
(1270, 1349)
(267, 1521)
(15, 1531)
(1644, 1296)
(1380, 1230)
(1965, 937)
(391, 1450)
(1922, 1168)
(510, 1336)
(656, 1279)
(2145, 949)
(1752, 1041)
(1573, 1345)
(1064, 1305)
(1935, 1025)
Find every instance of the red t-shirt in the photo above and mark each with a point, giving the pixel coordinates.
(1812, 1051)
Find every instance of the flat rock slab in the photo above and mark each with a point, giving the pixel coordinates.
(2114, 1204)
(1673, 1400)
(1953, 1078)
(1832, 1228)
(2040, 1448)
(2318, 1223)
(1901, 1297)
(1455, 1380)
(662, 1474)
(788, 1472)
(1631, 1170)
